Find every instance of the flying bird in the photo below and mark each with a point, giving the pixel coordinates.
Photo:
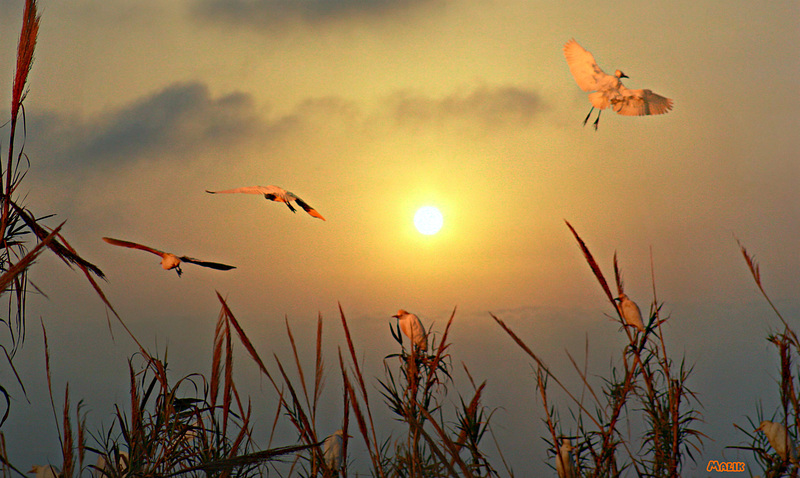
(332, 450)
(274, 193)
(630, 312)
(169, 261)
(412, 327)
(607, 90)
(564, 466)
(778, 439)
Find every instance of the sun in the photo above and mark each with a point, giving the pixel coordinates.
(428, 220)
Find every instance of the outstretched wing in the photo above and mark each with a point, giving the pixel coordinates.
(133, 245)
(213, 265)
(247, 190)
(582, 66)
(308, 208)
(641, 103)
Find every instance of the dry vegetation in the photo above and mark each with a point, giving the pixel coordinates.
(200, 426)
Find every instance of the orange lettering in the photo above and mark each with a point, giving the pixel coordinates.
(714, 465)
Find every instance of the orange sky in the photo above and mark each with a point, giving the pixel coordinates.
(371, 110)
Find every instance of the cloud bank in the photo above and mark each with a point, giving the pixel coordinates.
(184, 119)
(270, 14)
(181, 118)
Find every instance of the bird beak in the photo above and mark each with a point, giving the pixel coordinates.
(624, 76)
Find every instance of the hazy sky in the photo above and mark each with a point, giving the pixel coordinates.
(369, 109)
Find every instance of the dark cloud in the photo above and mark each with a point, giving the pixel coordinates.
(182, 117)
(274, 13)
(490, 107)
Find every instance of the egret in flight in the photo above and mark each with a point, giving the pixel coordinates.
(778, 438)
(607, 90)
(333, 450)
(630, 312)
(412, 327)
(274, 193)
(169, 261)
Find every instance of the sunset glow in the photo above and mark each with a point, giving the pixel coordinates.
(340, 161)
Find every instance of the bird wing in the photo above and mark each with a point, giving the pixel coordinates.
(583, 67)
(248, 190)
(641, 103)
(308, 208)
(415, 331)
(213, 265)
(632, 314)
(133, 245)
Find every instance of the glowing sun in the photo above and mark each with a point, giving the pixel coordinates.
(428, 220)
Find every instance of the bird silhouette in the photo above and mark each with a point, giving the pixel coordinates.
(413, 328)
(274, 193)
(607, 90)
(168, 260)
(630, 312)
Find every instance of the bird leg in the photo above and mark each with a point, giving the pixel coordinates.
(289, 205)
(597, 120)
(178, 270)
(587, 116)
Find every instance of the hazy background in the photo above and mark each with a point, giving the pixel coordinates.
(369, 110)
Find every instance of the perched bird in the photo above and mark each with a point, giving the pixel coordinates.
(608, 90)
(48, 471)
(104, 469)
(778, 439)
(412, 327)
(564, 466)
(333, 450)
(274, 193)
(630, 312)
(169, 261)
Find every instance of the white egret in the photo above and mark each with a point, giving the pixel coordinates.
(103, 469)
(630, 312)
(779, 439)
(332, 450)
(607, 90)
(168, 260)
(47, 471)
(274, 193)
(564, 465)
(413, 328)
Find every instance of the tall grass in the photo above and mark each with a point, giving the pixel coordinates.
(200, 425)
(645, 379)
(18, 226)
(787, 413)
